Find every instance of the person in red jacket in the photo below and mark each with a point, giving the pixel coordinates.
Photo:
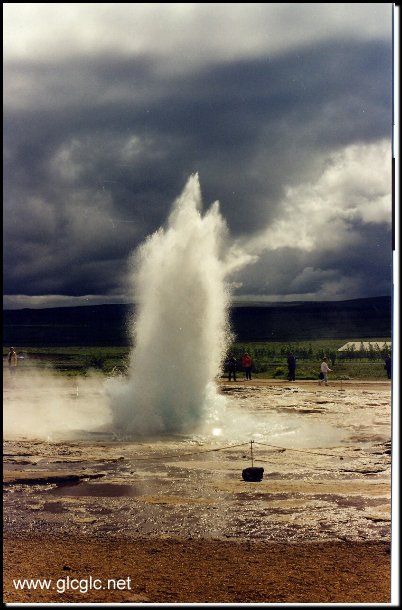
(247, 363)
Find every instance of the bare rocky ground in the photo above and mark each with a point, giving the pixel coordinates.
(328, 491)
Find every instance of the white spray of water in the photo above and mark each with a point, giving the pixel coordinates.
(180, 332)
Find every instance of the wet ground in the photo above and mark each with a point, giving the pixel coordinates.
(332, 482)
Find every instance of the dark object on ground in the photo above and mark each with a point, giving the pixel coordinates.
(253, 474)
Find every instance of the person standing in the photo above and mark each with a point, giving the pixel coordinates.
(12, 360)
(388, 366)
(247, 364)
(291, 367)
(324, 371)
(231, 366)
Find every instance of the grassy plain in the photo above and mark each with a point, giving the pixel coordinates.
(269, 359)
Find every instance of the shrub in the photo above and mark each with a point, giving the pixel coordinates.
(260, 367)
(94, 362)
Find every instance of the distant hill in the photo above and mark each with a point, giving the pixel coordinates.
(104, 325)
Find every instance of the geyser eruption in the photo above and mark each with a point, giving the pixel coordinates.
(180, 332)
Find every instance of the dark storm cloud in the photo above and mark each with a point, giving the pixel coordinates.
(347, 272)
(97, 148)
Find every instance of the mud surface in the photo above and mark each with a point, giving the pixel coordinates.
(331, 483)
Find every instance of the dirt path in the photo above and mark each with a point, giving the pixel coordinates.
(174, 570)
(354, 384)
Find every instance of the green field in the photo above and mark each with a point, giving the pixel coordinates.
(269, 359)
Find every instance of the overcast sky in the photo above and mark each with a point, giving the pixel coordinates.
(285, 110)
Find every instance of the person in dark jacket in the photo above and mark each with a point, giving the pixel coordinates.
(291, 367)
(388, 366)
(231, 366)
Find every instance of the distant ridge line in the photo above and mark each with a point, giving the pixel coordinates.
(233, 304)
(104, 325)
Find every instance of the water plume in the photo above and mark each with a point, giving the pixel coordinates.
(180, 331)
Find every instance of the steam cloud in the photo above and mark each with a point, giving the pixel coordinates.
(181, 332)
(43, 405)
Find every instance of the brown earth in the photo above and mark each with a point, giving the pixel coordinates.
(186, 571)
